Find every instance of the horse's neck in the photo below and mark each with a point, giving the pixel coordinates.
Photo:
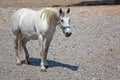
(51, 17)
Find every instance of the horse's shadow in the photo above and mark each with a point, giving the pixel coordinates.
(51, 63)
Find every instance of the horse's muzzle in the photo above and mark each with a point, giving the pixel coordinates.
(68, 34)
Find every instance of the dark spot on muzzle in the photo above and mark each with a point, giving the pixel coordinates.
(68, 34)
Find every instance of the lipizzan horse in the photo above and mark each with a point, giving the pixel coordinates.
(39, 25)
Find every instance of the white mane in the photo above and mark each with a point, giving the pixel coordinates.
(50, 14)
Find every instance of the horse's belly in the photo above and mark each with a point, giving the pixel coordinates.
(30, 35)
(33, 37)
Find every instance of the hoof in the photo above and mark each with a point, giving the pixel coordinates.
(19, 64)
(43, 70)
(27, 62)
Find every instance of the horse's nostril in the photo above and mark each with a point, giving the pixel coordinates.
(68, 34)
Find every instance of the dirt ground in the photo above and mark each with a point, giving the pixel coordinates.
(91, 53)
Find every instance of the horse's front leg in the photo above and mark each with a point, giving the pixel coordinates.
(47, 44)
(42, 52)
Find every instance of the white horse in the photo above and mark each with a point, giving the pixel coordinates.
(39, 25)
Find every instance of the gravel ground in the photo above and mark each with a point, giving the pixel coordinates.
(91, 53)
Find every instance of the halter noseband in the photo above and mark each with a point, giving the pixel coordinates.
(64, 27)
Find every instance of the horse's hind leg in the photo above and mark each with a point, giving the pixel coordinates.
(16, 51)
(24, 41)
(17, 48)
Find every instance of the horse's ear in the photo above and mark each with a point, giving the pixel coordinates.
(68, 11)
(60, 11)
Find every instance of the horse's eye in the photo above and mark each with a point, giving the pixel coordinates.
(62, 21)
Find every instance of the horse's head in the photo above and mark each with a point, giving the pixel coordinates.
(64, 21)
